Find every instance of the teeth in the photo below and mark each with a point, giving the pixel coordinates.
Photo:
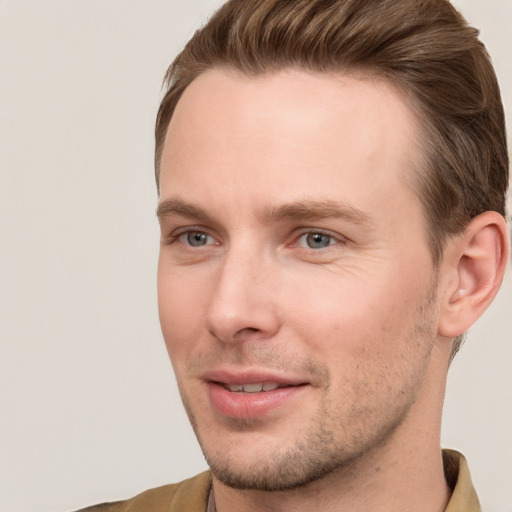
(253, 388)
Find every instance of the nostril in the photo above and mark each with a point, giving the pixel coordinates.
(245, 331)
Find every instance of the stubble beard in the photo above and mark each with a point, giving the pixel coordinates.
(335, 441)
(318, 454)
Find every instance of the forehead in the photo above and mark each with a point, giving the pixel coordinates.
(288, 133)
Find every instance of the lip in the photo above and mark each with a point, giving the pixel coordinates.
(243, 405)
(251, 377)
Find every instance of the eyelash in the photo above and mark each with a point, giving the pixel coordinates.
(185, 232)
(332, 239)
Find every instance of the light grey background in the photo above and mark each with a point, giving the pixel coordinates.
(88, 407)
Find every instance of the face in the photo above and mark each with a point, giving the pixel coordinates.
(296, 288)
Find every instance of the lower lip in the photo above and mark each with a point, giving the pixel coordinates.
(250, 405)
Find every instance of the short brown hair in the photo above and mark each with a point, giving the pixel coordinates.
(424, 47)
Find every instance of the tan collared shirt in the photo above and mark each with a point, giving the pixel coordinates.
(464, 498)
(193, 495)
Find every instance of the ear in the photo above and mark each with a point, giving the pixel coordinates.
(472, 270)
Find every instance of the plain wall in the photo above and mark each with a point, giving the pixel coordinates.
(89, 410)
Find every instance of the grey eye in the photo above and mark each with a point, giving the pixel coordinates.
(318, 240)
(196, 238)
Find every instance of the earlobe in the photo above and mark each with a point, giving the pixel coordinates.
(475, 263)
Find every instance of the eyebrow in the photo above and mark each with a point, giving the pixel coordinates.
(175, 206)
(318, 210)
(312, 210)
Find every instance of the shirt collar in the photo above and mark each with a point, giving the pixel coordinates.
(459, 479)
(211, 501)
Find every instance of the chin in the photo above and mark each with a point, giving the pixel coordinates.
(289, 473)
(268, 465)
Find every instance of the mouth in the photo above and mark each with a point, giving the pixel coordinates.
(255, 388)
(252, 394)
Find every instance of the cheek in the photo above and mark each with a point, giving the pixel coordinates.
(357, 319)
(181, 306)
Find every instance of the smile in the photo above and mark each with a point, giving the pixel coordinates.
(252, 399)
(254, 388)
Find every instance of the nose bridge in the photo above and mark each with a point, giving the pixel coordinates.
(242, 303)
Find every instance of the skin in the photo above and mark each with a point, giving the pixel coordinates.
(256, 169)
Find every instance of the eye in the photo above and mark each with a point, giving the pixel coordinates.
(196, 239)
(315, 240)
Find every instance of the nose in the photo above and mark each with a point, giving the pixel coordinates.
(243, 303)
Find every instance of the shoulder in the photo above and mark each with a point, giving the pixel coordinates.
(190, 495)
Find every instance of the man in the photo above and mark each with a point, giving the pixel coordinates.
(332, 180)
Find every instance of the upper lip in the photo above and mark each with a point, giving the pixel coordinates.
(251, 377)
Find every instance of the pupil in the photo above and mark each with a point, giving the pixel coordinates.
(316, 240)
(196, 239)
